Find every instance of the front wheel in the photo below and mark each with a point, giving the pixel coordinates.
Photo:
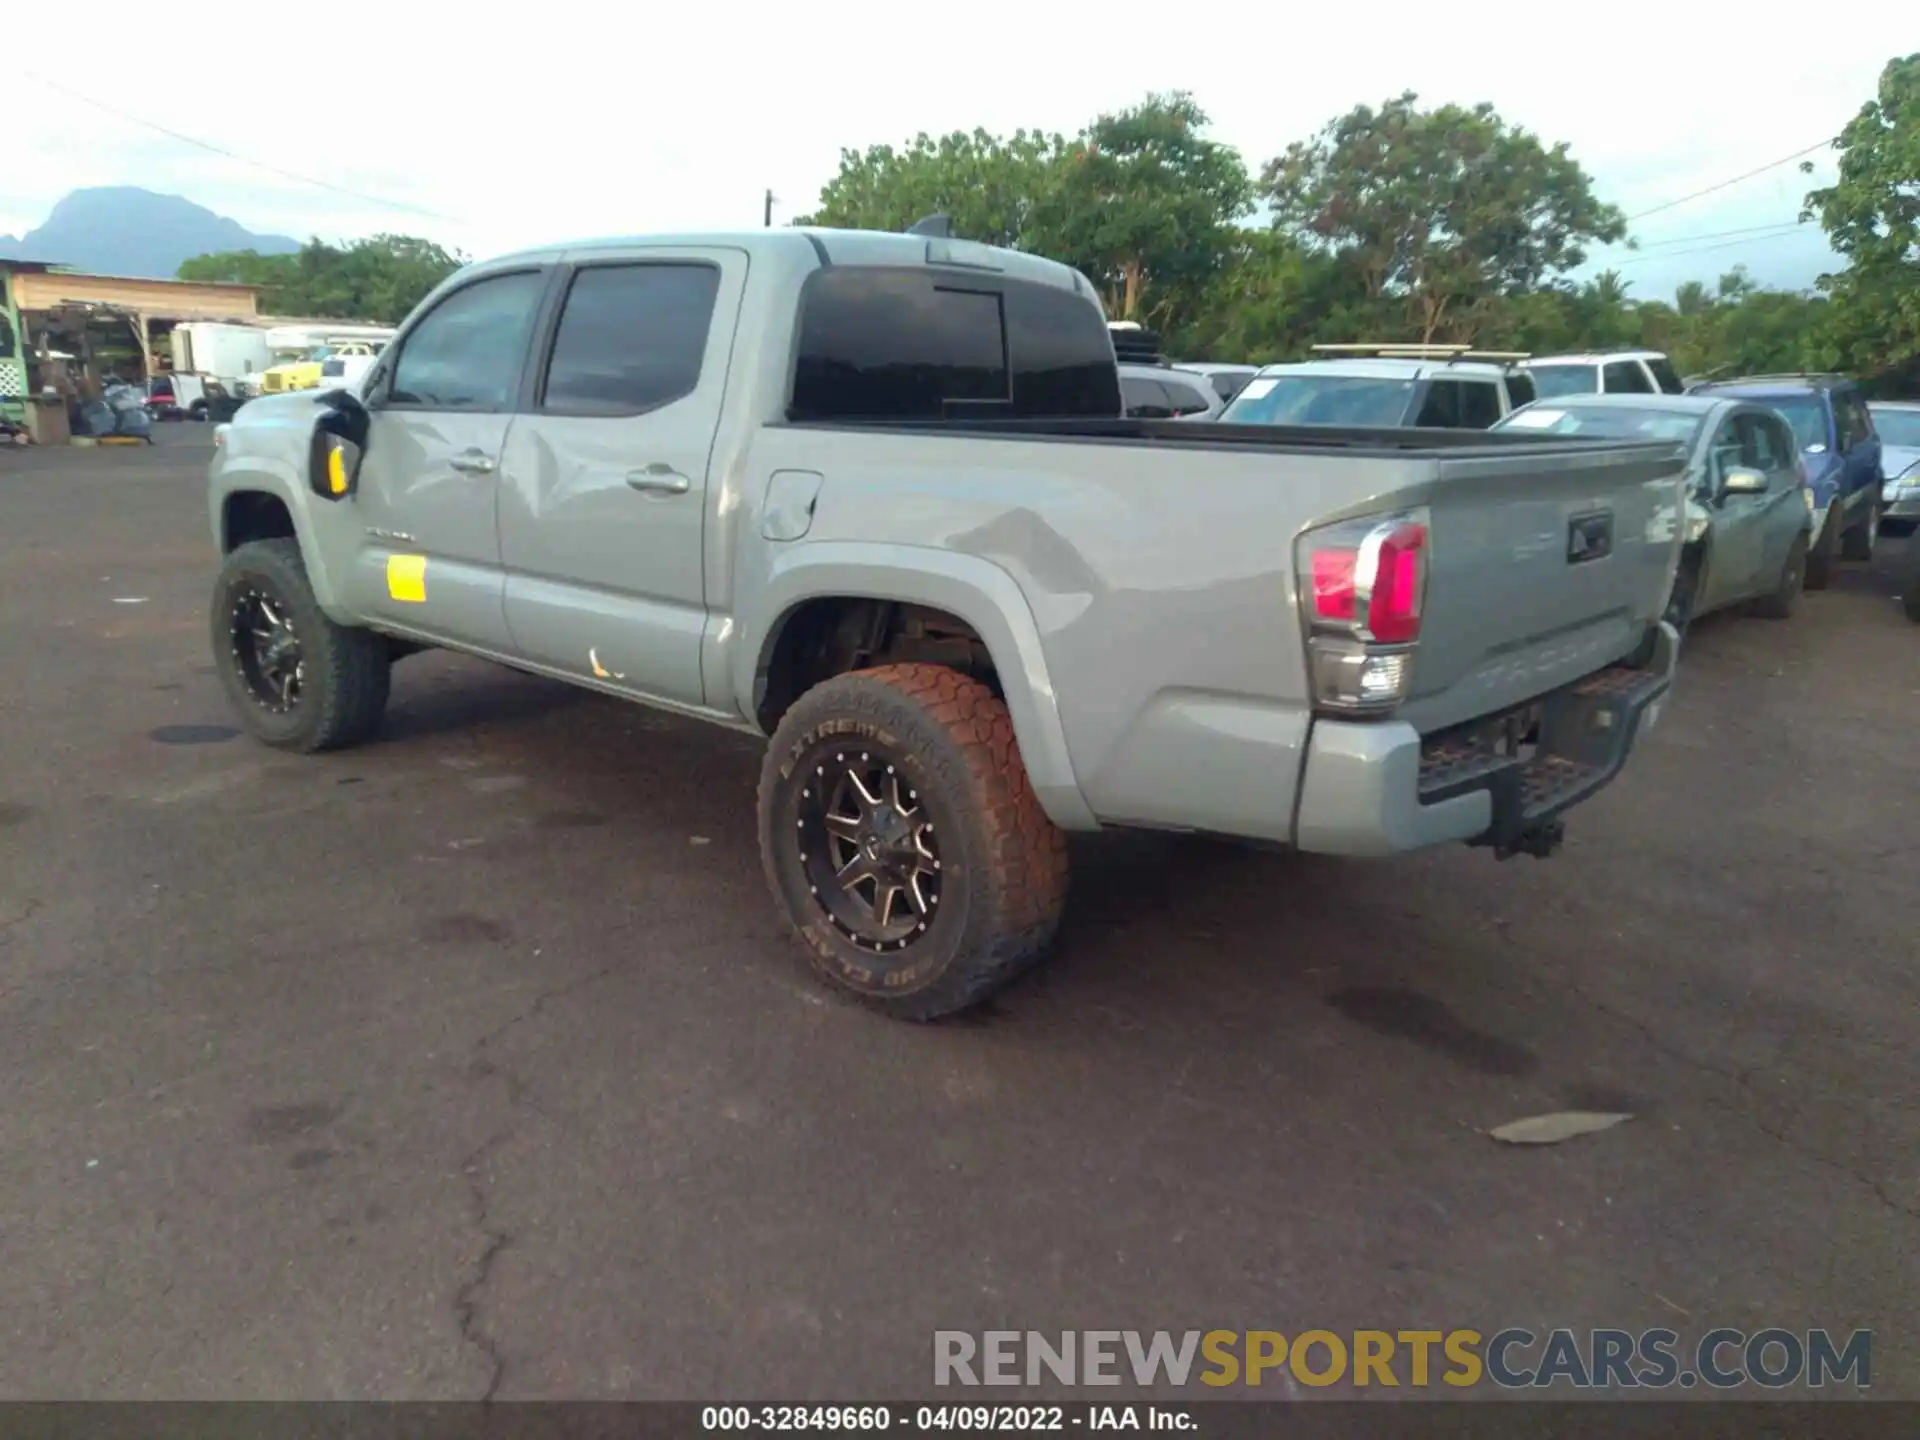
(1826, 550)
(1779, 604)
(299, 681)
(1857, 543)
(901, 836)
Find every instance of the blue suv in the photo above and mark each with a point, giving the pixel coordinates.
(1839, 452)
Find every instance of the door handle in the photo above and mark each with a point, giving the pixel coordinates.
(472, 462)
(659, 478)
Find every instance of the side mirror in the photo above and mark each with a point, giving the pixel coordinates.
(1742, 481)
(338, 446)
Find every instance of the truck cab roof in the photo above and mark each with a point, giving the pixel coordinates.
(828, 246)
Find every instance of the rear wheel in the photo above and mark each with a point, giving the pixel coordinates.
(901, 836)
(1857, 543)
(1779, 605)
(1825, 552)
(299, 681)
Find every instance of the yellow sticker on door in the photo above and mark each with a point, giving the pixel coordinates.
(407, 578)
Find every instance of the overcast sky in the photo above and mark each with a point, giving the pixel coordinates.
(518, 126)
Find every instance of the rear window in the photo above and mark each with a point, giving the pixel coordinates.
(922, 344)
(333, 367)
(1553, 381)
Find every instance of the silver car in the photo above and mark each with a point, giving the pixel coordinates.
(1749, 515)
(1898, 422)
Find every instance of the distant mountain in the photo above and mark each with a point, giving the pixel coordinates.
(124, 230)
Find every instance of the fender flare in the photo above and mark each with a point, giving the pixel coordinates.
(978, 592)
(267, 476)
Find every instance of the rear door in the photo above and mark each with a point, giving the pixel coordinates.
(1859, 453)
(429, 556)
(601, 523)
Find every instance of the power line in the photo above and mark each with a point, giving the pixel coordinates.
(1780, 233)
(1716, 234)
(208, 145)
(1736, 180)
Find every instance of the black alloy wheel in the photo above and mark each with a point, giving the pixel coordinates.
(266, 651)
(870, 848)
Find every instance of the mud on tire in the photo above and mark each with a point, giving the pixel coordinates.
(985, 870)
(343, 673)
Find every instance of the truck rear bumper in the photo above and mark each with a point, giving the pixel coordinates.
(1504, 780)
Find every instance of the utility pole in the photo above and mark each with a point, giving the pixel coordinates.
(768, 218)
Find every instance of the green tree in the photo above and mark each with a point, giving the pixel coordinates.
(990, 186)
(1440, 211)
(1145, 206)
(1871, 214)
(379, 279)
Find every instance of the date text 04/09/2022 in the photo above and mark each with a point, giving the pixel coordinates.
(975, 1419)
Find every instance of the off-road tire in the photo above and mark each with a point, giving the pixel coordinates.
(1786, 590)
(345, 674)
(1825, 553)
(1003, 863)
(1857, 543)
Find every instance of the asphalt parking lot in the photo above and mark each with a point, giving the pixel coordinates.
(476, 1061)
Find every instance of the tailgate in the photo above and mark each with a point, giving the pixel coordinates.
(1547, 562)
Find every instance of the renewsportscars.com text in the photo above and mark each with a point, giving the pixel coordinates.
(1722, 1359)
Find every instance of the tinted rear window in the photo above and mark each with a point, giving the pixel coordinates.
(1666, 376)
(923, 344)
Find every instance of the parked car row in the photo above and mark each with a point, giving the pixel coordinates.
(1789, 475)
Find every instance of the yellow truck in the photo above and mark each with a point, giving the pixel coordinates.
(301, 353)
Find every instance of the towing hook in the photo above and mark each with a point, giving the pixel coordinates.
(1539, 842)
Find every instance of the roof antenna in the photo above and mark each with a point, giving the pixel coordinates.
(938, 225)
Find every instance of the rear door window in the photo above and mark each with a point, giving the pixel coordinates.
(632, 338)
(1479, 404)
(1665, 376)
(1520, 389)
(1441, 407)
(1185, 398)
(1625, 377)
(1145, 399)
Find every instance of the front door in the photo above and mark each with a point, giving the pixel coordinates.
(601, 518)
(428, 497)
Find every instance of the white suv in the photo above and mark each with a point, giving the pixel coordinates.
(1617, 372)
(1380, 386)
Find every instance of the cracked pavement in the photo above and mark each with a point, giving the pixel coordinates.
(476, 1061)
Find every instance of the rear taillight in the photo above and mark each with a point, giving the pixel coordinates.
(1365, 595)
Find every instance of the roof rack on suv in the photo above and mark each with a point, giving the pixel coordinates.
(1133, 345)
(1387, 350)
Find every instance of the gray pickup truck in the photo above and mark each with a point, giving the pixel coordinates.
(872, 495)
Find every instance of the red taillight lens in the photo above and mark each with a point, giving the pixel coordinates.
(1393, 569)
(1393, 614)
(1333, 584)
